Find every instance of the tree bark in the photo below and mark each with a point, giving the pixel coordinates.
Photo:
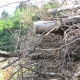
(56, 27)
(42, 26)
(9, 54)
(64, 8)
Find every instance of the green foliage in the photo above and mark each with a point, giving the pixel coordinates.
(4, 14)
(51, 4)
(1, 25)
(22, 6)
(6, 40)
(8, 23)
(35, 18)
(11, 25)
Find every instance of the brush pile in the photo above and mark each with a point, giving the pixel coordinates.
(53, 52)
(58, 53)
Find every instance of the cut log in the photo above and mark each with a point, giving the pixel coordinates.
(72, 20)
(46, 26)
(55, 26)
(43, 26)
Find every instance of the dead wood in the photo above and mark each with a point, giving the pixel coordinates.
(46, 59)
(54, 27)
(38, 56)
(44, 74)
(76, 76)
(64, 8)
(74, 57)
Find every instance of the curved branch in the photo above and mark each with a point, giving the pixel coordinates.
(12, 3)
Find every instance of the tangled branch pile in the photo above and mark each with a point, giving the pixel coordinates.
(54, 53)
(51, 55)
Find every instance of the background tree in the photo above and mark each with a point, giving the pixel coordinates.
(4, 14)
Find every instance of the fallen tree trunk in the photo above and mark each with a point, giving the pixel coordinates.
(64, 8)
(72, 20)
(42, 26)
(9, 54)
(45, 26)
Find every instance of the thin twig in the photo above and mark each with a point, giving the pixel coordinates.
(13, 3)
